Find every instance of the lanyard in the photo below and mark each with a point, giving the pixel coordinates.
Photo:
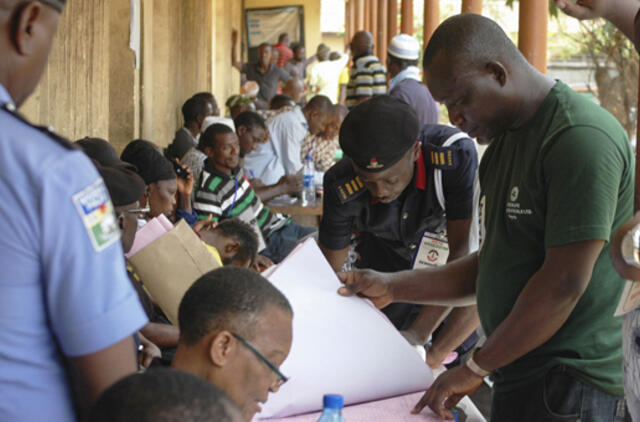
(235, 193)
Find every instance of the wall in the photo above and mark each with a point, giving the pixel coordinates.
(92, 88)
(336, 42)
(312, 34)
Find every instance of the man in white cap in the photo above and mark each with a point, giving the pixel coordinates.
(405, 82)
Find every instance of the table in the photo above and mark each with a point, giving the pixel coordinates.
(395, 409)
(305, 216)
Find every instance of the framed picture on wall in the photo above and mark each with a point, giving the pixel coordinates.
(265, 25)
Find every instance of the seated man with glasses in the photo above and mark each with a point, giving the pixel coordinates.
(235, 331)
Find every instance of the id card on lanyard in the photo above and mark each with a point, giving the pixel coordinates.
(433, 251)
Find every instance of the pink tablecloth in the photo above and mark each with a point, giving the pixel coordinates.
(389, 410)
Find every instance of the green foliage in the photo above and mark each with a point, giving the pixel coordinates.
(553, 10)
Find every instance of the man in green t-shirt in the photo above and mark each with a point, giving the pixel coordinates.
(557, 181)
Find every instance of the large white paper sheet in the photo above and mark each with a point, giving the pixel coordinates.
(340, 345)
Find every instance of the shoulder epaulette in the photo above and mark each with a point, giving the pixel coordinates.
(349, 189)
(443, 158)
(46, 130)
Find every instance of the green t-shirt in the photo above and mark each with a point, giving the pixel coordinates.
(565, 176)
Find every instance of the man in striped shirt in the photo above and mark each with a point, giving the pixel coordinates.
(223, 192)
(368, 75)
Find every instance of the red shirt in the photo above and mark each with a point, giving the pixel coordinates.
(285, 54)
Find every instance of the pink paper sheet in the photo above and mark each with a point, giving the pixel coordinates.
(395, 409)
(151, 231)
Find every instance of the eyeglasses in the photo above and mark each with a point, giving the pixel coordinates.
(136, 211)
(281, 377)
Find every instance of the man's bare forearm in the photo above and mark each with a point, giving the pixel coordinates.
(451, 285)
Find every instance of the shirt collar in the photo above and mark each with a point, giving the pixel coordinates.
(5, 98)
(297, 112)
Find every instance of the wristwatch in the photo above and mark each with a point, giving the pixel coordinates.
(473, 366)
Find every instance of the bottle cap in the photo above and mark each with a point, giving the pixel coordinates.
(333, 401)
(307, 157)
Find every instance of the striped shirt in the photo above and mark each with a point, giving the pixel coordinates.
(368, 78)
(226, 196)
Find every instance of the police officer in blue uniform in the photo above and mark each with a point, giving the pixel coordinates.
(407, 195)
(66, 305)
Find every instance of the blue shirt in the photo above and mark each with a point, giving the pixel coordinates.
(281, 154)
(63, 285)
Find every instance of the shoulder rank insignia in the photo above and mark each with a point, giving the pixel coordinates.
(47, 130)
(350, 189)
(443, 158)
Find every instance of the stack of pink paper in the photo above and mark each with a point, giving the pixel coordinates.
(151, 231)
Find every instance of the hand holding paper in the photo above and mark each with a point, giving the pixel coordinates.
(368, 283)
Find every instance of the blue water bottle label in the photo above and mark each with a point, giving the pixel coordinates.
(307, 180)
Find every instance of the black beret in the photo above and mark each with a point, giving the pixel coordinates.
(124, 185)
(378, 132)
(151, 164)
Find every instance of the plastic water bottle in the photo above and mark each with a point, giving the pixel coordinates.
(308, 194)
(332, 408)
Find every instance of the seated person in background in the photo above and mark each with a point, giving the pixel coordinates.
(223, 192)
(252, 131)
(235, 331)
(194, 112)
(162, 182)
(270, 161)
(280, 101)
(322, 147)
(125, 188)
(294, 88)
(235, 242)
(164, 395)
(238, 104)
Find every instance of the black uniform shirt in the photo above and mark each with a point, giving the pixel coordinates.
(390, 233)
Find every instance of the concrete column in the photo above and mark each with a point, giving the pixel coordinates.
(367, 15)
(359, 19)
(392, 19)
(431, 19)
(373, 24)
(532, 36)
(472, 6)
(407, 17)
(350, 18)
(381, 31)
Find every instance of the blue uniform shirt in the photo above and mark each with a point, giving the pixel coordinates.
(63, 284)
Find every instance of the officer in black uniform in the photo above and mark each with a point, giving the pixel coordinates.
(391, 191)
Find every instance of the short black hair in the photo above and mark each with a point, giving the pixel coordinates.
(242, 233)
(194, 107)
(208, 138)
(296, 46)
(320, 103)
(282, 36)
(471, 39)
(402, 63)
(207, 96)
(250, 120)
(227, 298)
(281, 100)
(164, 395)
(264, 44)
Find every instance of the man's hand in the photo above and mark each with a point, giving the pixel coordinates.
(447, 390)
(290, 183)
(205, 225)
(262, 263)
(368, 284)
(148, 353)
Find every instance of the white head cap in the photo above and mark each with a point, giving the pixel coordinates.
(404, 47)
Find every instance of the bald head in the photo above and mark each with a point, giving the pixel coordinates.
(362, 42)
(473, 40)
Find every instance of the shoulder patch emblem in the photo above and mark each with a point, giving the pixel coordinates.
(96, 211)
(443, 158)
(350, 189)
